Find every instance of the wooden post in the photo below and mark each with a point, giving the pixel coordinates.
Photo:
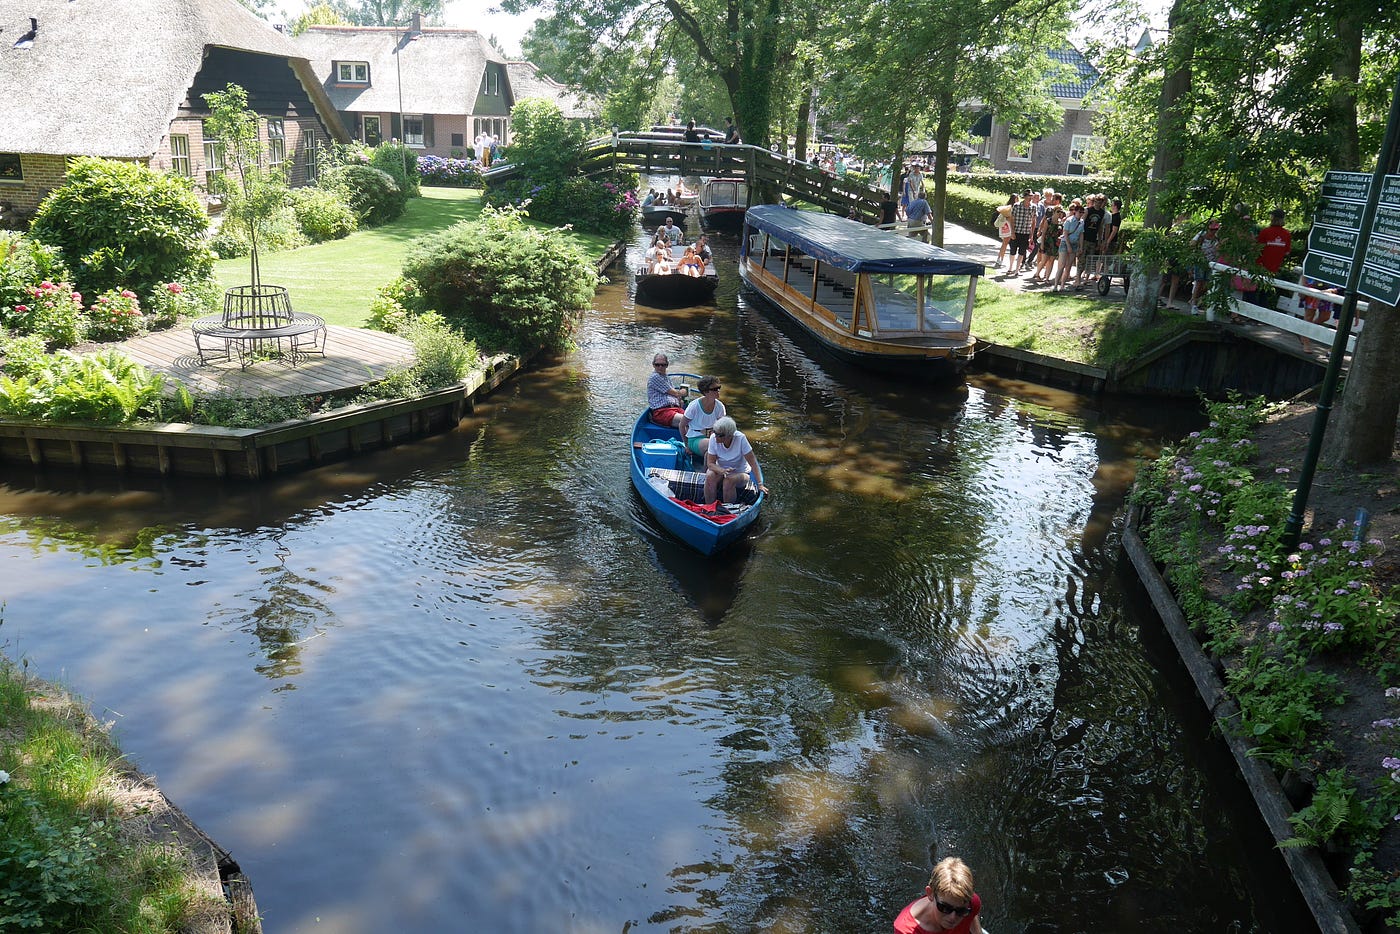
(75, 451)
(220, 467)
(36, 453)
(119, 456)
(163, 459)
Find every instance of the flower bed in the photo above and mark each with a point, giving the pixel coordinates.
(1307, 636)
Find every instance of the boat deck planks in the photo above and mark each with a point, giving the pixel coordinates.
(354, 357)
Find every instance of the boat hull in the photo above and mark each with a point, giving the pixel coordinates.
(657, 214)
(698, 533)
(674, 290)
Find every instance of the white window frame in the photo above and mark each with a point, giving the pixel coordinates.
(312, 154)
(213, 156)
(491, 82)
(352, 72)
(276, 141)
(1013, 153)
(180, 163)
(1079, 145)
(411, 141)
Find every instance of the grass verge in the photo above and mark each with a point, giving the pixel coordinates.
(76, 848)
(337, 279)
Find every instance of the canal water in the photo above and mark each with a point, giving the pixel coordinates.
(469, 685)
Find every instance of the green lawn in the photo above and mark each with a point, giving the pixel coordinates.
(336, 280)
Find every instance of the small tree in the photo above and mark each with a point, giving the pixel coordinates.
(256, 193)
(543, 144)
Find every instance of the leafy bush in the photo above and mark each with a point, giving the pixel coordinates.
(49, 864)
(54, 312)
(122, 225)
(231, 411)
(24, 263)
(605, 207)
(104, 387)
(1071, 186)
(449, 173)
(441, 355)
(395, 305)
(230, 242)
(372, 194)
(543, 144)
(972, 208)
(399, 162)
(322, 214)
(506, 285)
(168, 303)
(114, 316)
(23, 355)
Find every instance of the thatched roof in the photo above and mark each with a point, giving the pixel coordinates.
(441, 68)
(106, 77)
(526, 81)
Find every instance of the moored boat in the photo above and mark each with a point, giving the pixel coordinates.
(657, 214)
(872, 297)
(671, 486)
(723, 202)
(674, 289)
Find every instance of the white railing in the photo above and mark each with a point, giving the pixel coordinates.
(1289, 316)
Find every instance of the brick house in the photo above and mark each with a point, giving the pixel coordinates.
(436, 89)
(1066, 151)
(124, 81)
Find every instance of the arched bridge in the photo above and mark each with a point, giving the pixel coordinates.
(761, 168)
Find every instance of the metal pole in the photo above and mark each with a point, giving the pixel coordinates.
(1385, 161)
(398, 79)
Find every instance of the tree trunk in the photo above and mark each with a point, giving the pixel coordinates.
(1346, 75)
(804, 122)
(1141, 306)
(1365, 429)
(947, 109)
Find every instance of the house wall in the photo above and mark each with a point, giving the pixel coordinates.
(42, 174)
(1049, 154)
(443, 126)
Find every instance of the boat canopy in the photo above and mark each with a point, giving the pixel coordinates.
(855, 247)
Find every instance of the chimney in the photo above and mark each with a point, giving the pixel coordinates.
(417, 25)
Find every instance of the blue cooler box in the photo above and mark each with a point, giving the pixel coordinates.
(659, 454)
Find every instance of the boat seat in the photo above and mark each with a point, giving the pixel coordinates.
(690, 484)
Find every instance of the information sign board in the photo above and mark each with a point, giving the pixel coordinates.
(1328, 269)
(1338, 213)
(1353, 186)
(1380, 284)
(1333, 240)
(1390, 190)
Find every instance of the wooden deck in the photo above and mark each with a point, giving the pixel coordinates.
(354, 357)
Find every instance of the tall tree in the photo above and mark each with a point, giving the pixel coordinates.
(388, 12)
(322, 14)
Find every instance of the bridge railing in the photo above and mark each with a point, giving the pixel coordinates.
(1288, 316)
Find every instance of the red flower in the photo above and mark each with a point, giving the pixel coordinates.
(21, 308)
(175, 288)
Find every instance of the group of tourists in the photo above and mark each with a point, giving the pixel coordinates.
(1270, 246)
(487, 146)
(1057, 243)
(663, 198)
(661, 258)
(707, 430)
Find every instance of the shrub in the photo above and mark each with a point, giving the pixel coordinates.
(104, 387)
(322, 214)
(371, 193)
(605, 207)
(400, 163)
(395, 305)
(506, 285)
(167, 304)
(114, 316)
(24, 355)
(24, 263)
(449, 173)
(543, 144)
(122, 225)
(230, 242)
(972, 208)
(230, 411)
(441, 355)
(54, 312)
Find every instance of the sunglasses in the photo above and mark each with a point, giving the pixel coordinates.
(945, 909)
(661, 364)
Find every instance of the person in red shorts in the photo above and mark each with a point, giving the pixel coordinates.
(948, 903)
(662, 397)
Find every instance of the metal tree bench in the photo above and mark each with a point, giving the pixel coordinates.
(258, 323)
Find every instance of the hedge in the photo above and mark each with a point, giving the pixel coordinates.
(1072, 186)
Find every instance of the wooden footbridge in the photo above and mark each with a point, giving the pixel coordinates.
(761, 168)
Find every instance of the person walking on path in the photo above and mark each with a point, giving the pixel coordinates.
(1071, 240)
(1004, 228)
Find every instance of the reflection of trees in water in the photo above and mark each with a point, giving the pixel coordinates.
(143, 547)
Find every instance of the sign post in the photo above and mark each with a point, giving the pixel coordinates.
(1372, 267)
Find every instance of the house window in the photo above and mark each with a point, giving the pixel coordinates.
(276, 141)
(1019, 150)
(11, 169)
(1081, 150)
(180, 156)
(413, 129)
(371, 131)
(491, 81)
(457, 140)
(213, 159)
(352, 72)
(313, 156)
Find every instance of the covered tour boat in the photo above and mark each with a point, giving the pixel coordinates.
(872, 297)
(723, 202)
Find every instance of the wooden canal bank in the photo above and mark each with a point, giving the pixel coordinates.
(248, 453)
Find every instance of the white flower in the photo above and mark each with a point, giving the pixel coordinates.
(4, 777)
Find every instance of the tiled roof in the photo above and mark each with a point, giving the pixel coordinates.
(1077, 77)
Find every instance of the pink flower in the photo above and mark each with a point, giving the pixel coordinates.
(127, 293)
(77, 296)
(174, 288)
(21, 308)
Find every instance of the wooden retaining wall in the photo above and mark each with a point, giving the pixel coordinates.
(247, 453)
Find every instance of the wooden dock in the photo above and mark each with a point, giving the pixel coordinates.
(353, 358)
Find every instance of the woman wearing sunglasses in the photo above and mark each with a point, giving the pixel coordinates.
(948, 904)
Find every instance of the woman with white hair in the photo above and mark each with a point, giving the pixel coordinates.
(729, 462)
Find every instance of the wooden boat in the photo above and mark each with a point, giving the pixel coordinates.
(872, 297)
(676, 289)
(723, 202)
(664, 473)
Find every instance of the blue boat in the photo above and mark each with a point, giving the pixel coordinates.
(664, 473)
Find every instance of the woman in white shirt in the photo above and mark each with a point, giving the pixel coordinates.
(701, 415)
(729, 463)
